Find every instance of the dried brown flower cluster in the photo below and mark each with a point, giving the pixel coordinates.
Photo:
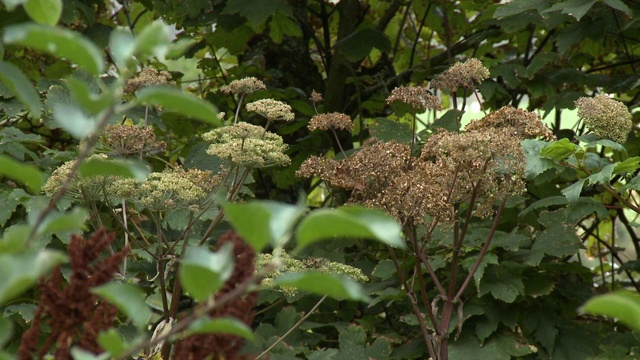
(148, 77)
(486, 164)
(271, 109)
(124, 140)
(524, 124)
(418, 98)
(606, 117)
(315, 97)
(74, 315)
(461, 75)
(334, 120)
(247, 145)
(222, 346)
(243, 86)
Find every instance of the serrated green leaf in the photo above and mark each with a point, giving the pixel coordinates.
(202, 273)
(22, 173)
(21, 271)
(517, 7)
(572, 192)
(13, 78)
(387, 130)
(112, 342)
(619, 5)
(449, 121)
(559, 150)
(181, 102)
(71, 221)
(353, 345)
(319, 283)
(622, 305)
(503, 281)
(58, 42)
(627, 166)
(359, 44)
(120, 168)
(537, 164)
(261, 223)
(45, 12)
(349, 222)
(221, 325)
(575, 8)
(257, 11)
(127, 298)
(603, 176)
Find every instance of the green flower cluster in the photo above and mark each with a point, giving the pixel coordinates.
(606, 117)
(292, 265)
(88, 188)
(247, 145)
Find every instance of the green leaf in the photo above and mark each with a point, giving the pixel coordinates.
(517, 7)
(153, 40)
(58, 42)
(74, 121)
(257, 11)
(281, 25)
(12, 4)
(220, 325)
(80, 354)
(619, 5)
(14, 238)
(622, 305)
(22, 173)
(21, 271)
(350, 222)
(261, 223)
(45, 12)
(449, 121)
(121, 168)
(13, 78)
(121, 47)
(319, 283)
(385, 129)
(353, 345)
(359, 44)
(384, 270)
(628, 166)
(603, 176)
(559, 150)
(127, 298)
(181, 102)
(543, 203)
(503, 281)
(84, 96)
(575, 8)
(202, 273)
(57, 222)
(112, 342)
(536, 164)
(6, 330)
(502, 346)
(572, 192)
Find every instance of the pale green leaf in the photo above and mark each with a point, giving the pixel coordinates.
(127, 298)
(323, 284)
(120, 168)
(153, 40)
(112, 342)
(45, 12)
(80, 354)
(58, 222)
(25, 174)
(6, 330)
(350, 222)
(121, 47)
(627, 166)
(12, 4)
(14, 238)
(58, 42)
(178, 101)
(86, 97)
(21, 271)
(221, 325)
(559, 150)
(622, 305)
(74, 121)
(13, 78)
(202, 273)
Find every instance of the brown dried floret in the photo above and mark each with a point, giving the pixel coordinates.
(461, 75)
(419, 98)
(523, 124)
(148, 77)
(606, 117)
(124, 140)
(244, 86)
(316, 97)
(334, 120)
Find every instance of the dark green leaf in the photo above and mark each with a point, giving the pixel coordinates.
(353, 345)
(350, 222)
(323, 284)
(619, 5)
(6, 330)
(127, 298)
(603, 176)
(13, 78)
(384, 270)
(543, 203)
(386, 130)
(261, 223)
(575, 8)
(181, 102)
(22, 173)
(257, 11)
(359, 44)
(502, 346)
(503, 281)
(58, 42)
(21, 271)
(622, 305)
(220, 325)
(45, 12)
(572, 192)
(121, 168)
(449, 121)
(537, 164)
(202, 273)
(517, 7)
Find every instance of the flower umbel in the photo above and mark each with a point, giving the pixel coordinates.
(148, 77)
(523, 124)
(606, 117)
(461, 75)
(243, 86)
(124, 140)
(418, 98)
(247, 145)
(271, 109)
(334, 120)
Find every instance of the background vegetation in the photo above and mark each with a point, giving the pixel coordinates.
(110, 130)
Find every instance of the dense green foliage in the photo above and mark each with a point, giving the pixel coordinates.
(294, 179)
